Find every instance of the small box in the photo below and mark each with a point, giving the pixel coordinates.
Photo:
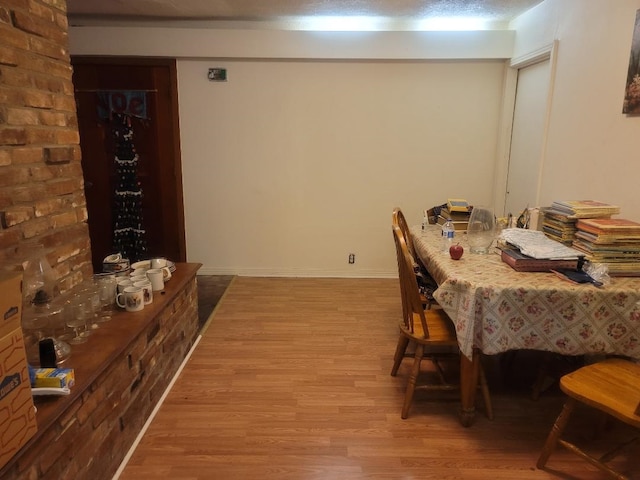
(54, 377)
(10, 301)
(17, 412)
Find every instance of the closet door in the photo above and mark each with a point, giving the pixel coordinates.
(528, 136)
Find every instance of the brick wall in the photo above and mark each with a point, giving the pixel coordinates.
(42, 204)
(42, 199)
(90, 440)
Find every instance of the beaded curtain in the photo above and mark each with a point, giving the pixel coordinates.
(129, 234)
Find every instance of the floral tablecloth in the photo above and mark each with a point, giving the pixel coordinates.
(496, 308)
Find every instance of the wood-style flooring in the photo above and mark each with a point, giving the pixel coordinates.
(291, 381)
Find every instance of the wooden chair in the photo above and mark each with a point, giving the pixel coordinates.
(611, 386)
(426, 283)
(431, 331)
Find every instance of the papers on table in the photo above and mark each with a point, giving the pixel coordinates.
(537, 245)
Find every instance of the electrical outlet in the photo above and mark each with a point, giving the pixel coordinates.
(352, 258)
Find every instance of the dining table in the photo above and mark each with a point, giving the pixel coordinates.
(497, 309)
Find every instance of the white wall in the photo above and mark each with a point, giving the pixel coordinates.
(293, 164)
(592, 148)
(300, 157)
(290, 166)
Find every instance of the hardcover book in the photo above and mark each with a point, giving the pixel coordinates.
(584, 208)
(609, 226)
(523, 263)
(457, 205)
(463, 216)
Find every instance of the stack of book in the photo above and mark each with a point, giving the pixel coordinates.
(560, 218)
(460, 219)
(558, 226)
(527, 250)
(612, 241)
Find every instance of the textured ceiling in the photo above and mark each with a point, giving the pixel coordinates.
(267, 10)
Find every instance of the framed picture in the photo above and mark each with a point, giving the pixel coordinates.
(632, 91)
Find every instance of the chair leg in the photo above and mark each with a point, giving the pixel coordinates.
(401, 348)
(486, 396)
(554, 439)
(556, 432)
(413, 378)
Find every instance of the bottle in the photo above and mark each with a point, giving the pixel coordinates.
(425, 222)
(448, 232)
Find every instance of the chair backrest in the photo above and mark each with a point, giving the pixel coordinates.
(398, 219)
(412, 307)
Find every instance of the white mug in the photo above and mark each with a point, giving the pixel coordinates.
(156, 277)
(158, 262)
(138, 272)
(124, 283)
(147, 291)
(166, 273)
(131, 299)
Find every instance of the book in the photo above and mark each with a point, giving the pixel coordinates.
(462, 216)
(558, 226)
(584, 208)
(608, 226)
(523, 263)
(457, 205)
(599, 239)
(459, 225)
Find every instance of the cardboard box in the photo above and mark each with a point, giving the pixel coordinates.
(54, 378)
(17, 412)
(10, 301)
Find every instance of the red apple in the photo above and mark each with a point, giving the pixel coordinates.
(456, 251)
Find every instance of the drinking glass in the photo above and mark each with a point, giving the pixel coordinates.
(481, 229)
(91, 297)
(106, 288)
(78, 316)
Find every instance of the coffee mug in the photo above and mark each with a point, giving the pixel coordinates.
(158, 262)
(147, 290)
(138, 272)
(156, 277)
(166, 273)
(124, 283)
(131, 299)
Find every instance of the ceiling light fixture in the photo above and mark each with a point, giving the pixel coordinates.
(341, 24)
(452, 24)
(375, 24)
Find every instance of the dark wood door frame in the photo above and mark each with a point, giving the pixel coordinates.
(176, 224)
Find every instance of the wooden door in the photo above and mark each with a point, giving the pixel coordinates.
(156, 141)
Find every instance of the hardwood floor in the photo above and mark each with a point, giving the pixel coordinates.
(291, 381)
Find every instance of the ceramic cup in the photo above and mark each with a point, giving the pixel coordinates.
(166, 273)
(124, 283)
(156, 277)
(131, 299)
(138, 278)
(158, 262)
(147, 290)
(138, 272)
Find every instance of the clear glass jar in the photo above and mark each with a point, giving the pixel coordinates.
(481, 230)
